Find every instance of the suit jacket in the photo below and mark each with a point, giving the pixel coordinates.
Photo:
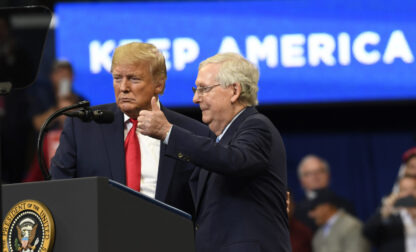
(345, 236)
(385, 234)
(91, 149)
(240, 190)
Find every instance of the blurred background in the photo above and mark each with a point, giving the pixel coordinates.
(337, 78)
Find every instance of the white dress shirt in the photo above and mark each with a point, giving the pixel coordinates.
(409, 231)
(149, 156)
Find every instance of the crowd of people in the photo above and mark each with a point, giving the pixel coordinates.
(326, 222)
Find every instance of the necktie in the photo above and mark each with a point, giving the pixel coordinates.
(133, 162)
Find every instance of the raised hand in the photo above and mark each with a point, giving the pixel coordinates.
(153, 123)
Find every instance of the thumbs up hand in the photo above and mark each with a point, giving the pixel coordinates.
(155, 107)
(153, 123)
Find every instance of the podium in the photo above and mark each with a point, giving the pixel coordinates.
(99, 215)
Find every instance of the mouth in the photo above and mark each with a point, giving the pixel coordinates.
(125, 100)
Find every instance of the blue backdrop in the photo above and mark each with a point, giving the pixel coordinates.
(307, 51)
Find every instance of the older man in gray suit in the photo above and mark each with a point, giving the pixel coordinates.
(338, 231)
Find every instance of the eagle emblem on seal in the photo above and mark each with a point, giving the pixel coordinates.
(26, 233)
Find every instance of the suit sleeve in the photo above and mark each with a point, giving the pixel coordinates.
(63, 164)
(247, 153)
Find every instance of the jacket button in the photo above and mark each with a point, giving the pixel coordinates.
(180, 155)
(196, 227)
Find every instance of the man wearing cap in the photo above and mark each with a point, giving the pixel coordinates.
(338, 231)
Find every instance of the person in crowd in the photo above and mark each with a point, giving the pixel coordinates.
(314, 174)
(58, 95)
(408, 166)
(239, 186)
(409, 159)
(393, 226)
(300, 235)
(61, 77)
(338, 230)
(117, 150)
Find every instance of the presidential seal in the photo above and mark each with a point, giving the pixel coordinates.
(28, 227)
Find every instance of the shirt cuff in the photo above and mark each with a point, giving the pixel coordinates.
(166, 140)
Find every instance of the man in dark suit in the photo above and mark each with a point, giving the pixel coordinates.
(240, 187)
(90, 149)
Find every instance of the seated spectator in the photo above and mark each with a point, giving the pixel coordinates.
(393, 227)
(300, 234)
(314, 174)
(338, 231)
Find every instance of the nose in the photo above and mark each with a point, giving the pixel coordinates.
(197, 98)
(124, 86)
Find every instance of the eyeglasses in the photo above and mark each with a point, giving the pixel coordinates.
(203, 90)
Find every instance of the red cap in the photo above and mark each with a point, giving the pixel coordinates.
(408, 154)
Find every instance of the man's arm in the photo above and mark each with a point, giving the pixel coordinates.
(247, 153)
(63, 164)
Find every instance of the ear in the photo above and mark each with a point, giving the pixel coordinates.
(159, 86)
(236, 89)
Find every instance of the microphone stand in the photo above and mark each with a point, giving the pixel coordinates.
(43, 130)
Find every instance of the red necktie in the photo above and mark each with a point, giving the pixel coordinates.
(133, 162)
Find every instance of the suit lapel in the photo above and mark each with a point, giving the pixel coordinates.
(113, 135)
(166, 167)
(204, 175)
(165, 173)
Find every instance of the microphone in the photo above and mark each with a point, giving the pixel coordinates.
(88, 115)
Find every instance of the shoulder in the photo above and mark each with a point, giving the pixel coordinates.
(109, 106)
(350, 222)
(253, 121)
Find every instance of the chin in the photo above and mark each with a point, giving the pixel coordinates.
(206, 120)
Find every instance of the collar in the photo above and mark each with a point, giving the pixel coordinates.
(228, 125)
(333, 219)
(310, 194)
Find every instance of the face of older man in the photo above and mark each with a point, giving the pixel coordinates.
(214, 101)
(134, 88)
(313, 174)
